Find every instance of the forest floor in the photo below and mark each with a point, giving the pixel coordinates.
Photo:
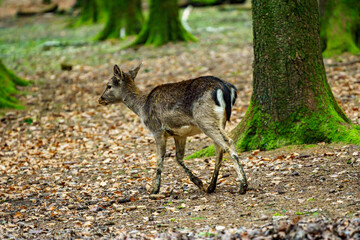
(70, 168)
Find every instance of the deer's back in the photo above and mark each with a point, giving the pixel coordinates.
(175, 103)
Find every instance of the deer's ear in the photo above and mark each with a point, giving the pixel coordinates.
(135, 71)
(118, 72)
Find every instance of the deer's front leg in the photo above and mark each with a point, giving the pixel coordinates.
(160, 156)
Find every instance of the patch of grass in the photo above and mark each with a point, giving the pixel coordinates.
(306, 213)
(28, 121)
(198, 218)
(206, 234)
(122, 172)
(277, 215)
(307, 146)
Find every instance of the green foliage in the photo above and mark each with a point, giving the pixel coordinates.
(8, 81)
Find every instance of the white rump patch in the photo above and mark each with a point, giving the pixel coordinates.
(219, 110)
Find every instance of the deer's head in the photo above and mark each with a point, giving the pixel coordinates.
(119, 86)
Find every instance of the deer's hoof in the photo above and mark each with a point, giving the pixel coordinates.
(243, 188)
(210, 189)
(154, 191)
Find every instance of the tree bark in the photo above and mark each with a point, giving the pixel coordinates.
(292, 102)
(125, 16)
(163, 25)
(340, 26)
(8, 81)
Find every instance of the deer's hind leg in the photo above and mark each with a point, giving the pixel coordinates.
(180, 143)
(218, 135)
(160, 155)
(219, 157)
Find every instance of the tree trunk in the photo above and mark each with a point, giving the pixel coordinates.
(163, 25)
(8, 81)
(92, 11)
(340, 26)
(292, 102)
(125, 18)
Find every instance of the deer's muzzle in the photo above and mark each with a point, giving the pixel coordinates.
(102, 101)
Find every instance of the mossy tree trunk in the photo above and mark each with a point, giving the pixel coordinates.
(8, 81)
(292, 102)
(125, 18)
(340, 26)
(92, 11)
(163, 25)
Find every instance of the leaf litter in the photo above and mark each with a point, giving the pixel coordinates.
(70, 168)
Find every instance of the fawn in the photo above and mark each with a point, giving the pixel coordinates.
(180, 110)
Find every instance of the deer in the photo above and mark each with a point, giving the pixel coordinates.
(180, 110)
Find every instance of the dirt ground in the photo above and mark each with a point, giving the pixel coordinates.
(70, 168)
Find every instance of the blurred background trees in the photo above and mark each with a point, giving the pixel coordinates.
(124, 18)
(340, 26)
(163, 25)
(91, 11)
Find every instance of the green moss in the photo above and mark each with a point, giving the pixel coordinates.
(302, 127)
(206, 152)
(8, 81)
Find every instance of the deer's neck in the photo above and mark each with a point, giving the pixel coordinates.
(134, 99)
